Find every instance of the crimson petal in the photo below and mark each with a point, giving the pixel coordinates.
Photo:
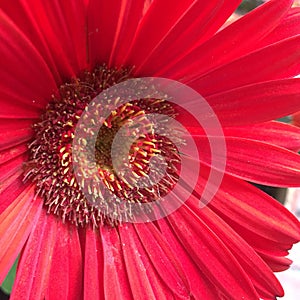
(260, 274)
(214, 258)
(66, 265)
(288, 27)
(34, 265)
(153, 30)
(111, 28)
(222, 48)
(143, 278)
(163, 259)
(189, 30)
(254, 210)
(93, 256)
(253, 68)
(131, 13)
(10, 167)
(201, 287)
(16, 80)
(251, 104)
(58, 31)
(115, 277)
(10, 138)
(278, 133)
(280, 169)
(16, 223)
(10, 153)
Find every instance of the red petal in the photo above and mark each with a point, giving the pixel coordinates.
(15, 110)
(131, 13)
(280, 134)
(70, 25)
(143, 278)
(255, 67)
(93, 266)
(201, 287)
(12, 166)
(11, 179)
(213, 25)
(10, 153)
(230, 43)
(212, 256)
(11, 96)
(24, 72)
(259, 242)
(115, 276)
(184, 34)
(34, 266)
(194, 25)
(16, 223)
(273, 132)
(111, 27)
(65, 281)
(288, 27)
(7, 124)
(246, 159)
(151, 31)
(250, 208)
(12, 191)
(260, 274)
(57, 30)
(102, 24)
(163, 259)
(272, 252)
(10, 138)
(251, 104)
(277, 264)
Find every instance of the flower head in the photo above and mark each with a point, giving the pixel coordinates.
(69, 205)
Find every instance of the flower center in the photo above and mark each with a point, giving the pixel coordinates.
(50, 165)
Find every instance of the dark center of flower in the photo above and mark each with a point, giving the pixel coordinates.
(51, 164)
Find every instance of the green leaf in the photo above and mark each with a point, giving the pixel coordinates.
(10, 278)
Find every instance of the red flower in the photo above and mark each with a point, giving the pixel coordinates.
(226, 250)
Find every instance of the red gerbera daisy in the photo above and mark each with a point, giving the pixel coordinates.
(56, 57)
